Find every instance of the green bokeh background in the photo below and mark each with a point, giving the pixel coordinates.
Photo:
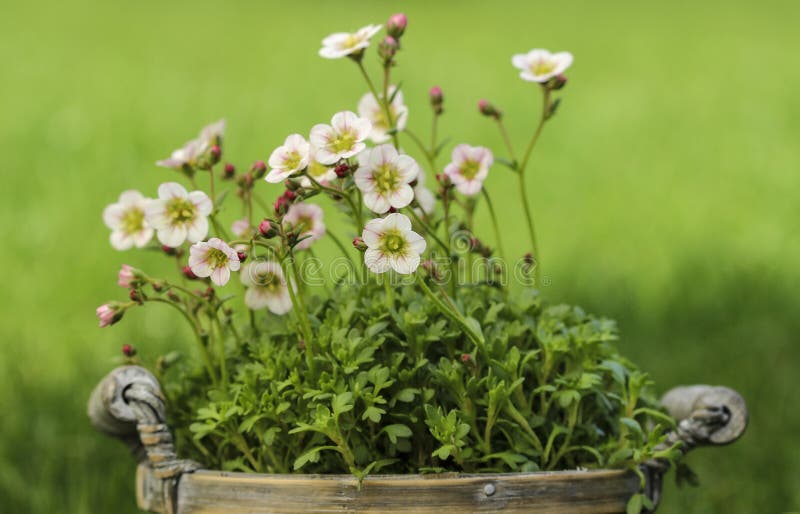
(666, 193)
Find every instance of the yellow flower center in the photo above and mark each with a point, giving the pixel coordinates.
(132, 220)
(393, 242)
(180, 211)
(351, 41)
(316, 169)
(268, 280)
(292, 161)
(217, 258)
(470, 168)
(542, 67)
(343, 141)
(386, 178)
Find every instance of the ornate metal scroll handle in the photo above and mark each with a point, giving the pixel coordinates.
(128, 404)
(705, 415)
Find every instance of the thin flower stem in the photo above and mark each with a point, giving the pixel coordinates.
(428, 229)
(506, 139)
(200, 343)
(212, 188)
(387, 106)
(523, 191)
(221, 342)
(434, 128)
(495, 223)
(417, 141)
(300, 311)
(342, 248)
(342, 194)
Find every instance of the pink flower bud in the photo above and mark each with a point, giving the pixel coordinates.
(109, 313)
(466, 358)
(228, 171)
(169, 250)
(215, 153)
(342, 170)
(290, 195)
(388, 48)
(359, 244)
(134, 295)
(437, 99)
(259, 169)
(557, 82)
(188, 273)
(489, 110)
(266, 229)
(242, 256)
(126, 276)
(396, 25)
(128, 350)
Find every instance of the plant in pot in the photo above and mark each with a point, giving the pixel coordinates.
(418, 369)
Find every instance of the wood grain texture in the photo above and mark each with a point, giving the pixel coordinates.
(573, 492)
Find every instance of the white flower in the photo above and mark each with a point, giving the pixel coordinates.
(369, 108)
(391, 244)
(383, 176)
(177, 215)
(540, 65)
(424, 196)
(322, 173)
(469, 167)
(341, 139)
(266, 287)
(288, 159)
(213, 259)
(342, 44)
(241, 229)
(187, 155)
(127, 222)
(306, 220)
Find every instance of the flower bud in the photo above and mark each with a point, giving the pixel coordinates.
(157, 286)
(342, 170)
(290, 195)
(128, 350)
(242, 256)
(387, 49)
(292, 184)
(129, 276)
(229, 171)
(396, 25)
(437, 100)
(188, 273)
(444, 180)
(557, 82)
(172, 295)
(359, 244)
(135, 296)
(267, 230)
(259, 169)
(281, 205)
(109, 313)
(466, 358)
(430, 267)
(215, 154)
(169, 250)
(489, 110)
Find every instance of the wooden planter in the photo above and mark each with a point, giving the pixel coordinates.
(128, 404)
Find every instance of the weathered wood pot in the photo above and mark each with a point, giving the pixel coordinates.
(128, 404)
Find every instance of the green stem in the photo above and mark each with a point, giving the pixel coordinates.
(200, 343)
(341, 194)
(506, 139)
(421, 146)
(301, 312)
(221, 343)
(495, 224)
(386, 105)
(428, 229)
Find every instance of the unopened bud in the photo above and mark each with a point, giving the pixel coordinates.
(259, 169)
(489, 110)
(557, 82)
(134, 295)
(437, 99)
(430, 267)
(215, 153)
(359, 244)
(342, 170)
(229, 171)
(172, 295)
(396, 25)
(169, 250)
(188, 273)
(128, 350)
(387, 48)
(290, 195)
(267, 230)
(242, 256)
(466, 358)
(157, 286)
(281, 205)
(528, 258)
(292, 184)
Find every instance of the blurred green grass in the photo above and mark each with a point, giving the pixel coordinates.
(666, 193)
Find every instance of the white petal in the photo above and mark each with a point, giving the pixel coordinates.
(120, 241)
(376, 261)
(407, 167)
(416, 242)
(469, 187)
(256, 298)
(202, 202)
(130, 197)
(460, 154)
(401, 197)
(173, 236)
(280, 303)
(112, 215)
(343, 120)
(169, 190)
(372, 232)
(141, 238)
(221, 275)
(197, 230)
(397, 221)
(376, 202)
(405, 264)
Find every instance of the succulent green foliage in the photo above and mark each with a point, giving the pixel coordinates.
(408, 391)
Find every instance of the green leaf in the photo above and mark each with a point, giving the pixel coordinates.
(395, 431)
(311, 455)
(342, 403)
(634, 504)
